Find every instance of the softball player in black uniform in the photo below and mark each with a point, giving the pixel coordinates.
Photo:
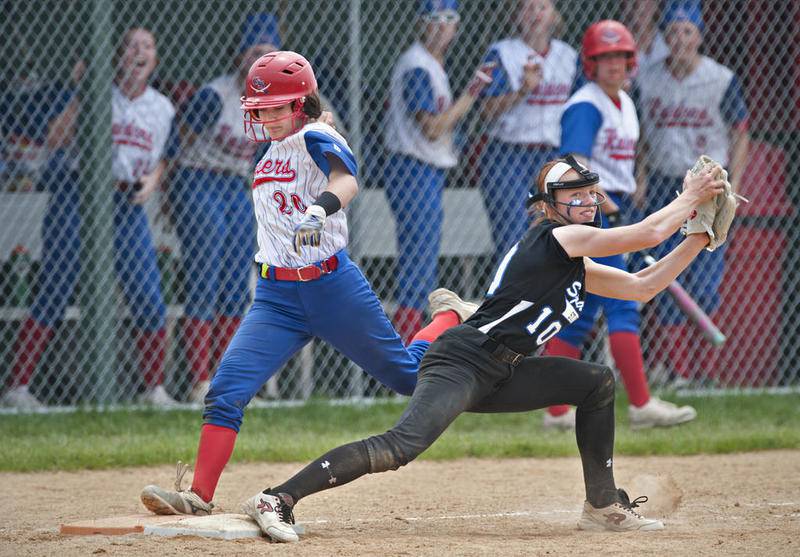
(484, 365)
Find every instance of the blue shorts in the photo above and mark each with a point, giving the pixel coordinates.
(339, 308)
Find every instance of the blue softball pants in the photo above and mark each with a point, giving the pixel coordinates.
(508, 172)
(621, 315)
(339, 308)
(414, 189)
(703, 277)
(215, 222)
(134, 255)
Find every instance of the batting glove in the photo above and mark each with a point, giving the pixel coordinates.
(308, 232)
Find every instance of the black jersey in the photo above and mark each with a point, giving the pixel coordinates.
(537, 290)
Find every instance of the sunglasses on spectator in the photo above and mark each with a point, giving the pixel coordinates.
(445, 16)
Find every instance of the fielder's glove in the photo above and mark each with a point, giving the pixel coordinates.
(712, 217)
(308, 232)
(702, 218)
(726, 203)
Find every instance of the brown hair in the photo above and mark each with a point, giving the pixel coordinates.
(539, 210)
(312, 107)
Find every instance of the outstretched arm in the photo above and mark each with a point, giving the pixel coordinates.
(644, 285)
(579, 240)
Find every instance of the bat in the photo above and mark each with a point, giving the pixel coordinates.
(692, 310)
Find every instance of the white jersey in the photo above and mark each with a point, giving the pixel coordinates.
(223, 146)
(403, 133)
(614, 148)
(140, 128)
(535, 120)
(288, 180)
(682, 118)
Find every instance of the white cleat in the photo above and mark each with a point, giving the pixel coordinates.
(158, 397)
(442, 299)
(199, 392)
(163, 501)
(564, 422)
(659, 413)
(273, 515)
(20, 397)
(617, 517)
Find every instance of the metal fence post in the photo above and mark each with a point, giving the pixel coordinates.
(98, 311)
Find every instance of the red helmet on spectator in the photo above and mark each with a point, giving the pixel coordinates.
(274, 80)
(604, 37)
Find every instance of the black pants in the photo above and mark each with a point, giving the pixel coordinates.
(457, 375)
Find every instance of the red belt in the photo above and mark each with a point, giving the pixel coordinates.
(301, 274)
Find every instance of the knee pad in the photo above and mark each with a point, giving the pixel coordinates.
(604, 391)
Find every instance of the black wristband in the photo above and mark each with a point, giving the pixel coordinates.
(329, 202)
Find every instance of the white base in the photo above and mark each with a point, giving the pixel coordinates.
(225, 526)
(222, 526)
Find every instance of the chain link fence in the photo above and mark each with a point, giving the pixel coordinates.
(114, 282)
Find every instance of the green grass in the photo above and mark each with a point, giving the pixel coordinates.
(93, 440)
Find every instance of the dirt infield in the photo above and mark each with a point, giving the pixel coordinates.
(743, 504)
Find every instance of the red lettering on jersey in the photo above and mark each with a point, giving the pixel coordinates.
(130, 134)
(549, 93)
(618, 148)
(679, 115)
(277, 170)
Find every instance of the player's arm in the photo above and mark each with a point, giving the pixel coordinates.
(419, 99)
(740, 145)
(734, 112)
(499, 97)
(339, 165)
(341, 182)
(579, 240)
(644, 285)
(61, 129)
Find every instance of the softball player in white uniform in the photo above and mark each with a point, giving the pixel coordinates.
(690, 105)
(308, 288)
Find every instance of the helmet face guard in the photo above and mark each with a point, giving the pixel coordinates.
(552, 182)
(256, 129)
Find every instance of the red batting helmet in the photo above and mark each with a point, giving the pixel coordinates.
(604, 37)
(276, 79)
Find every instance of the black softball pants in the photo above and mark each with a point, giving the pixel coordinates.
(456, 376)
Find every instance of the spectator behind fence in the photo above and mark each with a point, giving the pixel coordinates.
(690, 105)
(599, 126)
(641, 17)
(532, 79)
(26, 108)
(142, 133)
(211, 205)
(419, 138)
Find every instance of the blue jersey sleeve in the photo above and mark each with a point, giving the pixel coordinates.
(320, 145)
(733, 107)
(202, 110)
(579, 126)
(500, 84)
(173, 145)
(418, 92)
